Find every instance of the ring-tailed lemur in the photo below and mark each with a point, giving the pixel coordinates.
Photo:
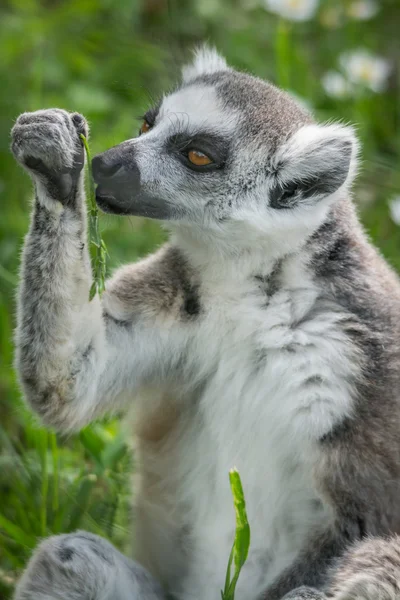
(264, 335)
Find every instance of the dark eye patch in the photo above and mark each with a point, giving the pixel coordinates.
(151, 115)
(214, 146)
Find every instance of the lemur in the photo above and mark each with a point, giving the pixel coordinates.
(264, 335)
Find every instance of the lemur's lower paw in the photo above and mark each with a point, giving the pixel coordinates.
(83, 566)
(74, 566)
(365, 587)
(47, 144)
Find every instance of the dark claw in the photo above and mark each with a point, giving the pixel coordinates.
(36, 164)
(79, 123)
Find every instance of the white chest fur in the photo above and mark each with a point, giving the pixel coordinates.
(272, 376)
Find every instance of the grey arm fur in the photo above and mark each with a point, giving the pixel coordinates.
(54, 361)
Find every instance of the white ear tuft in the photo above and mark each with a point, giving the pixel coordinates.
(315, 162)
(206, 61)
(318, 148)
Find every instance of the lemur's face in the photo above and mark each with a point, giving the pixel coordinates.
(225, 146)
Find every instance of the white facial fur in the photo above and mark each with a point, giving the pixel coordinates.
(191, 110)
(206, 61)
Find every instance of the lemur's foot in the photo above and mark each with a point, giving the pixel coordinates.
(47, 144)
(83, 566)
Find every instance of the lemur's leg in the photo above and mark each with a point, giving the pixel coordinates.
(369, 570)
(354, 558)
(82, 566)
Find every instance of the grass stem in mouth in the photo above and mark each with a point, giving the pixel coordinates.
(98, 250)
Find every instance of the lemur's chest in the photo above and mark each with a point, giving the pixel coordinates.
(269, 379)
(280, 363)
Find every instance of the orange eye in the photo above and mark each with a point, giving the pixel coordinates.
(198, 158)
(145, 127)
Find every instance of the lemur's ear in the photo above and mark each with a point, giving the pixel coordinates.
(206, 61)
(314, 163)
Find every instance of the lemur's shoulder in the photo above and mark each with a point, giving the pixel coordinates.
(349, 267)
(162, 285)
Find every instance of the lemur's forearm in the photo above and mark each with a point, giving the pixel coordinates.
(55, 277)
(57, 328)
(53, 332)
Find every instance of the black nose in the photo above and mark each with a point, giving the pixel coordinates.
(106, 165)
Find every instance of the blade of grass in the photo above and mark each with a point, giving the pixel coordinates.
(241, 544)
(98, 248)
(82, 500)
(54, 454)
(228, 575)
(45, 481)
(16, 533)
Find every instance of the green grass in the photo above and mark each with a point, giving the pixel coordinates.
(108, 61)
(98, 248)
(241, 542)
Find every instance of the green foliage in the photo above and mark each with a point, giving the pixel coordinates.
(241, 543)
(108, 60)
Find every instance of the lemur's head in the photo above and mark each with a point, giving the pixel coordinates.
(226, 147)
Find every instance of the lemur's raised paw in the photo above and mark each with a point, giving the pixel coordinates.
(47, 144)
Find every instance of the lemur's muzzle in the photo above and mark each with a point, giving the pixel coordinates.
(119, 189)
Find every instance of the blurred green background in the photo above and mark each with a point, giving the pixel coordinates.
(108, 59)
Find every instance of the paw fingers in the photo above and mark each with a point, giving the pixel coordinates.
(80, 124)
(47, 142)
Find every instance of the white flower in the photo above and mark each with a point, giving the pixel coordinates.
(362, 67)
(336, 85)
(362, 10)
(294, 10)
(394, 207)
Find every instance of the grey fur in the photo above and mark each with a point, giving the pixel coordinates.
(369, 570)
(270, 115)
(363, 483)
(304, 593)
